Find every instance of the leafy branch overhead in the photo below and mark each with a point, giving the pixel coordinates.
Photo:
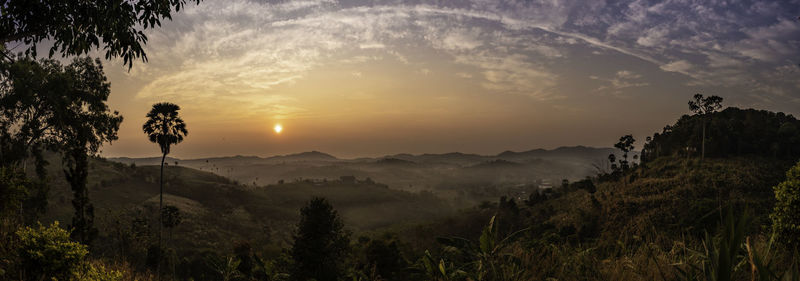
(77, 27)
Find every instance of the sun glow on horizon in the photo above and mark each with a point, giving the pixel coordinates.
(278, 128)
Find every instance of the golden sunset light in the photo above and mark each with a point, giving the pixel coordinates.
(438, 67)
(579, 139)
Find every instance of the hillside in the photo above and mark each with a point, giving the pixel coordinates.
(731, 132)
(645, 222)
(454, 175)
(669, 195)
(217, 212)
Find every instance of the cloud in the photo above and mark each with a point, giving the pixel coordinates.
(221, 55)
(229, 50)
(770, 43)
(512, 74)
(680, 66)
(654, 37)
(622, 79)
(372, 46)
(464, 75)
(461, 39)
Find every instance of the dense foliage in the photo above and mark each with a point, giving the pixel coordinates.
(48, 252)
(46, 105)
(320, 244)
(14, 189)
(786, 216)
(662, 219)
(76, 27)
(730, 132)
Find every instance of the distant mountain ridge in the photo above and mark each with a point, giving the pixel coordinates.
(303, 156)
(564, 151)
(449, 157)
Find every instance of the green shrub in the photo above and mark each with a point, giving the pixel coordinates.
(786, 215)
(99, 272)
(46, 253)
(13, 190)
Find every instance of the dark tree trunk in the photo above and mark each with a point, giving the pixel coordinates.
(160, 222)
(76, 173)
(703, 145)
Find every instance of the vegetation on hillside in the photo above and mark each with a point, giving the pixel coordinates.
(708, 198)
(730, 132)
(674, 216)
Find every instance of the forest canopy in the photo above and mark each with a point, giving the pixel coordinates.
(730, 132)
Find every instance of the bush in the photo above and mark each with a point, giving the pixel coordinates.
(13, 190)
(47, 253)
(99, 272)
(320, 243)
(786, 215)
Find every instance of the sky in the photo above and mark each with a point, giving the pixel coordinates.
(371, 78)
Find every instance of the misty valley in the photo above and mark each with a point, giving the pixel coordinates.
(394, 140)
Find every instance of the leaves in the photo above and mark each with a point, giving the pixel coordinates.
(47, 252)
(705, 105)
(164, 126)
(486, 259)
(786, 213)
(320, 243)
(77, 27)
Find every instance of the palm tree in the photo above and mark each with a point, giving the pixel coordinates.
(165, 128)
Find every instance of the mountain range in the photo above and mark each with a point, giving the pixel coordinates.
(579, 153)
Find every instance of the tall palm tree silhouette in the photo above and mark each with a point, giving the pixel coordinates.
(165, 128)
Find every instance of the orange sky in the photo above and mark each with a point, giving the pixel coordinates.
(355, 79)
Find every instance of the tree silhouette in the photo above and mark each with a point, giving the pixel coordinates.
(88, 125)
(626, 145)
(320, 243)
(386, 258)
(45, 105)
(77, 27)
(704, 106)
(735, 132)
(647, 150)
(170, 217)
(612, 159)
(48, 106)
(164, 127)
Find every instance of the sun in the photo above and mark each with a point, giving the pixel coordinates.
(278, 128)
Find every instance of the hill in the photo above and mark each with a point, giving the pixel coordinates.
(654, 220)
(731, 132)
(644, 225)
(669, 195)
(668, 218)
(218, 212)
(449, 175)
(305, 156)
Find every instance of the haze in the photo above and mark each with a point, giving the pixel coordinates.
(368, 78)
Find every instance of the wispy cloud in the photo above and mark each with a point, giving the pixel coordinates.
(621, 80)
(233, 50)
